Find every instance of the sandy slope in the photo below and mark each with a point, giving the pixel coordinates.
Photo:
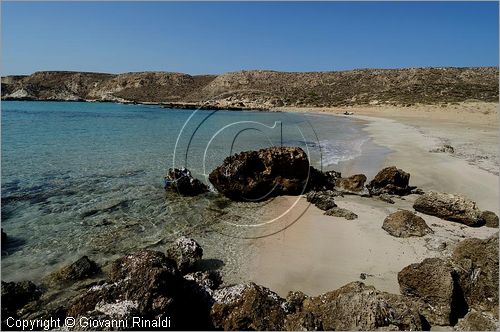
(318, 253)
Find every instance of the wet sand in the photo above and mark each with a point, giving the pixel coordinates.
(315, 253)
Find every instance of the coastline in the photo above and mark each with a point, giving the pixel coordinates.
(319, 253)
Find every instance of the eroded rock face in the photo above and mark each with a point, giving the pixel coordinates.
(432, 282)
(143, 283)
(476, 263)
(319, 180)
(258, 175)
(356, 306)
(324, 200)
(182, 182)
(490, 219)
(404, 223)
(477, 321)
(15, 295)
(185, 252)
(354, 184)
(81, 269)
(449, 207)
(247, 307)
(341, 213)
(390, 180)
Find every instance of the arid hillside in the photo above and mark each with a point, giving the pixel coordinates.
(262, 89)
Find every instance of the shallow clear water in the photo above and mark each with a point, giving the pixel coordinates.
(86, 178)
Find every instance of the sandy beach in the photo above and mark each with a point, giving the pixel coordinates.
(315, 253)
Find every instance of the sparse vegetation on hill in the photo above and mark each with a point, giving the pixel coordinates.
(263, 89)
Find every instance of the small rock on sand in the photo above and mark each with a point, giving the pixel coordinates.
(405, 223)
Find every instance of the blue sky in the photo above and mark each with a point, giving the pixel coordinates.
(219, 37)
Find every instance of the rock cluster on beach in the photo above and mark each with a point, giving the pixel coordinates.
(460, 290)
(457, 290)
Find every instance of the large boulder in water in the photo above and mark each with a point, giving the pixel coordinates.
(404, 223)
(390, 180)
(432, 282)
(182, 182)
(476, 263)
(449, 207)
(258, 175)
(185, 252)
(247, 307)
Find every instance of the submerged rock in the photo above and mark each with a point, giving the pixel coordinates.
(259, 175)
(477, 321)
(476, 264)
(404, 223)
(446, 148)
(490, 219)
(247, 307)
(81, 269)
(4, 237)
(324, 200)
(341, 213)
(390, 180)
(185, 252)
(432, 282)
(181, 181)
(449, 207)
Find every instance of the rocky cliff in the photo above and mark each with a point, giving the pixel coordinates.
(262, 89)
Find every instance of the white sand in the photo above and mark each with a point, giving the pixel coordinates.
(318, 253)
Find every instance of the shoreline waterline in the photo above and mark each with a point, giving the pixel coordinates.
(101, 193)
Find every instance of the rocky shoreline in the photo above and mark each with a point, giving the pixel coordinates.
(457, 291)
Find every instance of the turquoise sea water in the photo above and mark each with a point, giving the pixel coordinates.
(86, 178)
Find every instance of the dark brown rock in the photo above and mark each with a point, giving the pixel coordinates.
(390, 180)
(143, 283)
(432, 282)
(490, 219)
(477, 321)
(354, 184)
(356, 306)
(324, 200)
(182, 182)
(81, 269)
(319, 180)
(247, 307)
(404, 223)
(185, 252)
(476, 264)
(449, 207)
(341, 213)
(259, 175)
(15, 295)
